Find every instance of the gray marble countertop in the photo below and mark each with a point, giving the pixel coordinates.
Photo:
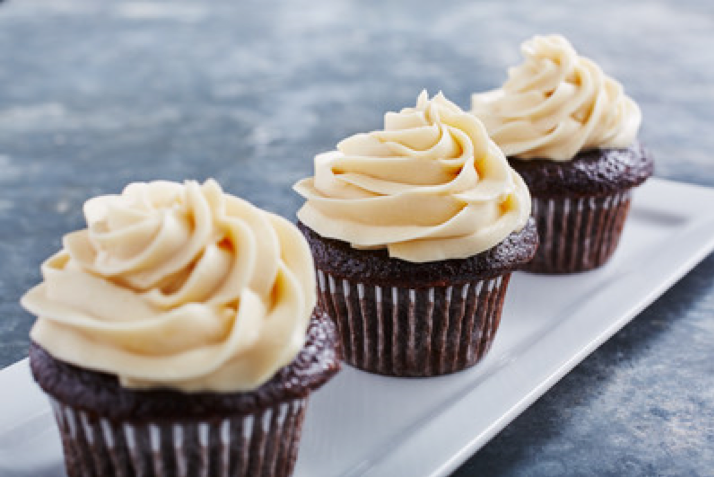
(94, 95)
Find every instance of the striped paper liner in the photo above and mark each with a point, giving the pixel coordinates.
(261, 444)
(577, 234)
(415, 332)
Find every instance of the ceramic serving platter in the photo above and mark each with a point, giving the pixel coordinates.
(366, 425)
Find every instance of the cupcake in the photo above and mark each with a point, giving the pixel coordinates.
(177, 335)
(571, 132)
(415, 231)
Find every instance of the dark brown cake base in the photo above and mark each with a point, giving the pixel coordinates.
(263, 443)
(580, 206)
(425, 319)
(414, 332)
(578, 234)
(110, 430)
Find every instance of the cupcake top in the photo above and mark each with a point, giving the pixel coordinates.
(557, 104)
(177, 286)
(431, 186)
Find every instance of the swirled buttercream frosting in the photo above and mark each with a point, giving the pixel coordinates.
(556, 104)
(430, 186)
(177, 286)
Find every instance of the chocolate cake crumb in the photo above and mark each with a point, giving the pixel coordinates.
(102, 394)
(595, 172)
(377, 267)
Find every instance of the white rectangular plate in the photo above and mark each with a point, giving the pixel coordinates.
(361, 424)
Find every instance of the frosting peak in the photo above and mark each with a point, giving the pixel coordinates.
(556, 104)
(430, 186)
(179, 286)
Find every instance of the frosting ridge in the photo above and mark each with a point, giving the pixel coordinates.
(178, 286)
(430, 186)
(556, 104)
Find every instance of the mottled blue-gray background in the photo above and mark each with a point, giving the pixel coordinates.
(95, 94)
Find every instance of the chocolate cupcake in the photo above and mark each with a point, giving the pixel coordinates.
(415, 231)
(178, 335)
(570, 131)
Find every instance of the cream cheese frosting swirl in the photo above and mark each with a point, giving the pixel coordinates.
(430, 186)
(557, 104)
(177, 286)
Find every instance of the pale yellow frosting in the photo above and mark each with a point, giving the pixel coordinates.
(178, 286)
(430, 186)
(557, 104)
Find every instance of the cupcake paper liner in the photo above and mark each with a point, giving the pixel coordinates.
(261, 444)
(577, 234)
(414, 332)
